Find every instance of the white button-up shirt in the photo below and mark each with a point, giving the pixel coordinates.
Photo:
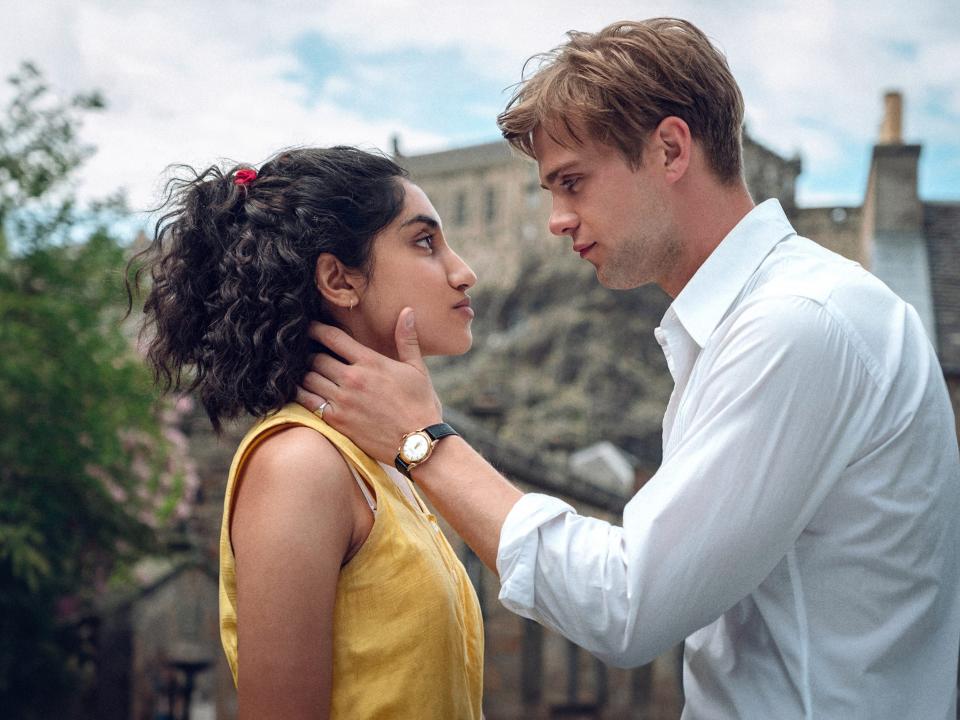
(803, 531)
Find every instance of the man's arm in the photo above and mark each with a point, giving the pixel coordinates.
(782, 408)
(763, 443)
(375, 401)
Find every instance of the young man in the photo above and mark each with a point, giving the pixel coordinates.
(803, 530)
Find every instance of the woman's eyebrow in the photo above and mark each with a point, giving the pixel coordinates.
(425, 219)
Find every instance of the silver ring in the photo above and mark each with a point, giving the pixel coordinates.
(319, 410)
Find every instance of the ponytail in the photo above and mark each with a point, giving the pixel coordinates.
(231, 268)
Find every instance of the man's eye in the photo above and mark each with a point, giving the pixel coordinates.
(569, 183)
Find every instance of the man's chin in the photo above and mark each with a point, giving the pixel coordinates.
(616, 280)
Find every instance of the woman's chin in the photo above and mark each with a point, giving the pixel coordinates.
(449, 347)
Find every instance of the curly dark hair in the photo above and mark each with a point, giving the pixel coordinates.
(232, 271)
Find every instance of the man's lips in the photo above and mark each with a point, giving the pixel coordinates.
(582, 248)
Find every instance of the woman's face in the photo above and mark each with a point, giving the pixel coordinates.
(412, 265)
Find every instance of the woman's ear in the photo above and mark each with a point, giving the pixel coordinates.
(338, 285)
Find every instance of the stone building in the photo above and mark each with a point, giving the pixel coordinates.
(152, 649)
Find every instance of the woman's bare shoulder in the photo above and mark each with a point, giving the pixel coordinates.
(295, 483)
(301, 452)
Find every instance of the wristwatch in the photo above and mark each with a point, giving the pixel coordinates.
(417, 447)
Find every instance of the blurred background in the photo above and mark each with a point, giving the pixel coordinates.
(110, 498)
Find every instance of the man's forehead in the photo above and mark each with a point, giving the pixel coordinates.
(556, 151)
(565, 134)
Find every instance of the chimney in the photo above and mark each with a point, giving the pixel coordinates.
(892, 234)
(891, 131)
(892, 203)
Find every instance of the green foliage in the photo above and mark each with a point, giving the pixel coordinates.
(83, 462)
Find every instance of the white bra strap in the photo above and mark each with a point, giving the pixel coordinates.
(363, 488)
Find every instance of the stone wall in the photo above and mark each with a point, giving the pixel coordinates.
(836, 228)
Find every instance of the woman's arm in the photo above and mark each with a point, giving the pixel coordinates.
(294, 522)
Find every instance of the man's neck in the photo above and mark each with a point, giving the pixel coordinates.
(712, 211)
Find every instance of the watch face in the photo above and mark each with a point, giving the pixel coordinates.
(415, 448)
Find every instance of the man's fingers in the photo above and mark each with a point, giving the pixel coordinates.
(330, 368)
(338, 341)
(309, 400)
(320, 386)
(408, 343)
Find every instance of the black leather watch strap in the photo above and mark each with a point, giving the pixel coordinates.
(440, 430)
(400, 465)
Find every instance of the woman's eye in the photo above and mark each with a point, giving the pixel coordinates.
(425, 242)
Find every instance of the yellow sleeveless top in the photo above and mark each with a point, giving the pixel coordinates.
(408, 636)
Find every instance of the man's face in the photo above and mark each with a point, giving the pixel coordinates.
(618, 217)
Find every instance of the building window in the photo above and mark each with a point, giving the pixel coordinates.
(460, 209)
(490, 205)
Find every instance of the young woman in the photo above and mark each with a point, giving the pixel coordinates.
(339, 595)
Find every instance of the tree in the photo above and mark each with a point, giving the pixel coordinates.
(86, 474)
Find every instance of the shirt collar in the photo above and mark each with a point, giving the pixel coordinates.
(705, 299)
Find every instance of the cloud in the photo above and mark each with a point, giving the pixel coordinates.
(181, 88)
(195, 81)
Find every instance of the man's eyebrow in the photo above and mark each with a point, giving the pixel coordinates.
(425, 219)
(548, 181)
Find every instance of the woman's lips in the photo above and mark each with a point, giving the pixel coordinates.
(464, 307)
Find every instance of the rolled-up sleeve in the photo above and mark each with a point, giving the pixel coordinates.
(519, 546)
(774, 420)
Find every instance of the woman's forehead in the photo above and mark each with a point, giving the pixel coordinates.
(417, 206)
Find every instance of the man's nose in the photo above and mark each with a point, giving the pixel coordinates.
(563, 222)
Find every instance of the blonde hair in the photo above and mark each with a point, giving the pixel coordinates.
(619, 83)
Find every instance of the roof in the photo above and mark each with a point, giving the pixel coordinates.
(498, 152)
(156, 572)
(941, 226)
(458, 160)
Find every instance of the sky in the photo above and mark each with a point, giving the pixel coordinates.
(200, 82)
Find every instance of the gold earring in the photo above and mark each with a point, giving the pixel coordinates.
(352, 303)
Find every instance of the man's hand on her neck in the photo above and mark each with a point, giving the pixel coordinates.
(371, 399)
(374, 401)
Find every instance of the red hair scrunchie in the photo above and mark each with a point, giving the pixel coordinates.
(242, 177)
